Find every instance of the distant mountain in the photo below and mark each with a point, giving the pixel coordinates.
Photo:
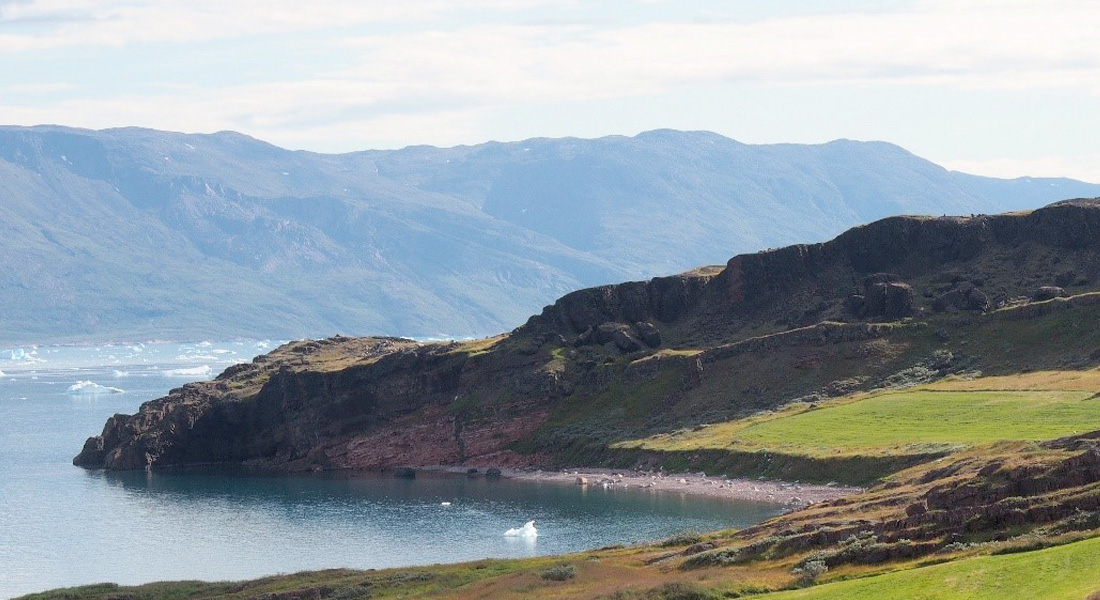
(134, 233)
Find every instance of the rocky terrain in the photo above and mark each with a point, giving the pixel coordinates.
(901, 300)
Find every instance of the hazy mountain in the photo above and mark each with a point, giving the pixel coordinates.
(134, 233)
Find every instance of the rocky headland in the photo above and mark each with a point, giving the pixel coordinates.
(880, 305)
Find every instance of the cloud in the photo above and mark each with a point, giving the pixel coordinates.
(123, 22)
(436, 69)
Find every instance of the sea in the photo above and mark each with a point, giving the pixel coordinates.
(62, 525)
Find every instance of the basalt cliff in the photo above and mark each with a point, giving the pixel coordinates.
(901, 300)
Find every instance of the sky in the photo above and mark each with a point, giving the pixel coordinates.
(996, 87)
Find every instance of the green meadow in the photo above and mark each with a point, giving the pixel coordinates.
(922, 421)
(1062, 573)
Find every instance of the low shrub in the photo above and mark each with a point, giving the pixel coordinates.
(684, 538)
(562, 572)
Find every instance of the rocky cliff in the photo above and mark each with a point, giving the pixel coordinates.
(606, 363)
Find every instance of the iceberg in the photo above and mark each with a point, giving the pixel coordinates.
(203, 371)
(91, 388)
(527, 531)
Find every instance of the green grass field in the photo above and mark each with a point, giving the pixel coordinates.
(1062, 573)
(898, 423)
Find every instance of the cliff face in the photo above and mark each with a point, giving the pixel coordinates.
(612, 361)
(1007, 257)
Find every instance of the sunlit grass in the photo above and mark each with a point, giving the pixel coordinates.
(1063, 573)
(935, 419)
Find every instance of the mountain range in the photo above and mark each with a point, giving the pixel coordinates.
(139, 234)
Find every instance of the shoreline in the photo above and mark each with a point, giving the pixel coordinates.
(793, 495)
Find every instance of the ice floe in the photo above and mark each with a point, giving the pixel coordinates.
(91, 388)
(203, 371)
(527, 531)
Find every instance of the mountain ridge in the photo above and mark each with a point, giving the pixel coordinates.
(132, 233)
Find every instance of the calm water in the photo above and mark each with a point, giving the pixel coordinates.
(61, 525)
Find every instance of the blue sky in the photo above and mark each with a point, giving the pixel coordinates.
(999, 87)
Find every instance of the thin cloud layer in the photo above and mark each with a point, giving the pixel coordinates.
(346, 73)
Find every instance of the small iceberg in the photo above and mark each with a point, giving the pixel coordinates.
(203, 371)
(91, 388)
(527, 531)
(444, 503)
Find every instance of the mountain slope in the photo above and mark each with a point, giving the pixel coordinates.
(138, 233)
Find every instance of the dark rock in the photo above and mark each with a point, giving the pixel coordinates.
(1047, 292)
(492, 473)
(888, 300)
(606, 331)
(586, 338)
(698, 547)
(964, 296)
(853, 304)
(404, 473)
(625, 341)
(471, 472)
(648, 333)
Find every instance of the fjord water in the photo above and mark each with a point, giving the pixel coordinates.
(61, 525)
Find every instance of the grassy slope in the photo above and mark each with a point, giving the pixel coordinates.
(900, 423)
(1021, 406)
(1063, 573)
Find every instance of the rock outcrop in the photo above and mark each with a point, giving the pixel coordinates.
(387, 402)
(938, 507)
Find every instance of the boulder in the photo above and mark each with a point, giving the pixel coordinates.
(605, 331)
(404, 473)
(625, 341)
(1047, 292)
(964, 295)
(648, 333)
(889, 300)
(492, 473)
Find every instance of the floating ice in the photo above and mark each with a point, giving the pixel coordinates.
(91, 388)
(444, 503)
(28, 357)
(121, 374)
(203, 371)
(2, 374)
(527, 531)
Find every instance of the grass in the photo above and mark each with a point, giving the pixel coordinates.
(938, 418)
(1062, 573)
